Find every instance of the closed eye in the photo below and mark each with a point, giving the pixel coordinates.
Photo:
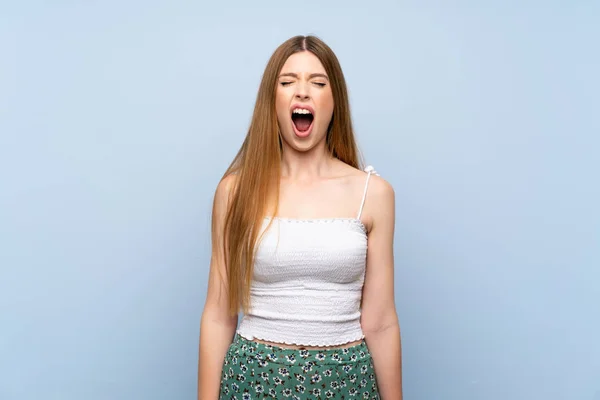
(320, 84)
(285, 83)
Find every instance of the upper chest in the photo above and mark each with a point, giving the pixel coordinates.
(323, 199)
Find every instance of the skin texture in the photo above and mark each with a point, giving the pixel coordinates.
(217, 327)
(315, 185)
(303, 81)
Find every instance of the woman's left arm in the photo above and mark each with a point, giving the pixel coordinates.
(379, 319)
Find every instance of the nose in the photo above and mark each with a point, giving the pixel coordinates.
(302, 92)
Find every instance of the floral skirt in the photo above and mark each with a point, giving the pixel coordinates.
(254, 370)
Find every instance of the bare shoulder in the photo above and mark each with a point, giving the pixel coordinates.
(226, 186)
(223, 193)
(379, 209)
(380, 190)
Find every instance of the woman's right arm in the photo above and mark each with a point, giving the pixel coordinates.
(217, 327)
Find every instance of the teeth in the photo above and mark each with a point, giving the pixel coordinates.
(301, 111)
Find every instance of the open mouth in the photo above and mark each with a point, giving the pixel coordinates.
(302, 119)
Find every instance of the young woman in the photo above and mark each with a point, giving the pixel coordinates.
(303, 246)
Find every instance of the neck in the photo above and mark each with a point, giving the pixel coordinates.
(308, 165)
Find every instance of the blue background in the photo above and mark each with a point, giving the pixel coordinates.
(117, 118)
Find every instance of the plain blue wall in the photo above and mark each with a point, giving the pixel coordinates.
(117, 119)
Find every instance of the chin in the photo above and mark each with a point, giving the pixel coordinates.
(302, 145)
(302, 142)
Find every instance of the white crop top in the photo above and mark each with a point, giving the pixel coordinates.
(308, 279)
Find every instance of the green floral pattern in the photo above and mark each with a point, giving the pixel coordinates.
(255, 371)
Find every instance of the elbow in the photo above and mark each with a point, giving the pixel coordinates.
(375, 326)
(212, 316)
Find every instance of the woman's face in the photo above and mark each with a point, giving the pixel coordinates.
(303, 101)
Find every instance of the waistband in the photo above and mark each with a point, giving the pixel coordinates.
(243, 347)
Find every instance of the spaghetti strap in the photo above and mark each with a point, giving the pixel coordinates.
(369, 170)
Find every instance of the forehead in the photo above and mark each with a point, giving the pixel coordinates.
(303, 62)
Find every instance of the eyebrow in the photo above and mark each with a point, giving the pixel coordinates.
(315, 75)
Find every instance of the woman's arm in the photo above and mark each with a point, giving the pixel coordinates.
(379, 320)
(217, 327)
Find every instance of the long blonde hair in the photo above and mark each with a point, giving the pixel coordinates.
(257, 163)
